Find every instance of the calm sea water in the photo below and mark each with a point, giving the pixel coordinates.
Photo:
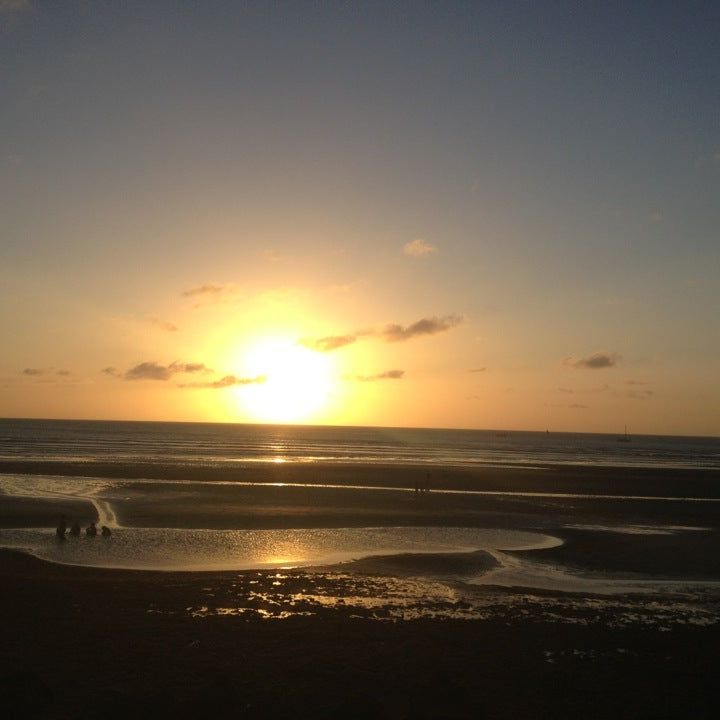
(219, 445)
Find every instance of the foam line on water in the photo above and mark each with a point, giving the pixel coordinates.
(62, 488)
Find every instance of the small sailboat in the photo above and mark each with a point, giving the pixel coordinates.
(625, 437)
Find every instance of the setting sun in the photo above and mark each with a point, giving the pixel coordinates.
(297, 385)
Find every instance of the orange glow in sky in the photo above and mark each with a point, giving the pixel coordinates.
(480, 215)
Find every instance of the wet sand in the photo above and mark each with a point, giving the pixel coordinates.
(385, 496)
(297, 644)
(393, 637)
(652, 481)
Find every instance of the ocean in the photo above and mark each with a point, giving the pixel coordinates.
(199, 445)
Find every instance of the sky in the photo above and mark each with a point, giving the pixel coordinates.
(434, 214)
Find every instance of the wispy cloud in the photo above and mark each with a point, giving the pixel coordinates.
(227, 381)
(328, 344)
(596, 361)
(110, 371)
(388, 375)
(418, 248)
(391, 333)
(426, 326)
(155, 371)
(63, 373)
(211, 289)
(163, 324)
(478, 370)
(32, 371)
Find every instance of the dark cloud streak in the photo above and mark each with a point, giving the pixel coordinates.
(388, 375)
(227, 381)
(208, 289)
(596, 361)
(391, 333)
(425, 326)
(328, 344)
(155, 371)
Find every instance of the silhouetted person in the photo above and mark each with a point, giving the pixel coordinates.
(75, 529)
(61, 528)
(105, 531)
(91, 531)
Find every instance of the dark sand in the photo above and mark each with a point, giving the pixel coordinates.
(136, 644)
(200, 499)
(397, 637)
(568, 479)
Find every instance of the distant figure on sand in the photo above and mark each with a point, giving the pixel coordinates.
(91, 531)
(61, 528)
(105, 531)
(423, 487)
(75, 529)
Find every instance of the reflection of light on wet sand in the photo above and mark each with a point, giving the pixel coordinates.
(184, 549)
(257, 597)
(516, 572)
(638, 529)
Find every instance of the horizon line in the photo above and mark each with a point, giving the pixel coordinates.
(331, 425)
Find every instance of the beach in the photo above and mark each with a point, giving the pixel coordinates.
(408, 635)
(305, 644)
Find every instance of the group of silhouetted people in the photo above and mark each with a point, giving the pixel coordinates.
(90, 530)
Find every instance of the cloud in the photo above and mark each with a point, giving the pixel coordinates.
(111, 371)
(163, 324)
(64, 373)
(478, 370)
(328, 344)
(391, 333)
(154, 371)
(418, 248)
(426, 326)
(189, 367)
(596, 361)
(32, 371)
(227, 381)
(148, 371)
(636, 382)
(388, 375)
(208, 289)
(567, 391)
